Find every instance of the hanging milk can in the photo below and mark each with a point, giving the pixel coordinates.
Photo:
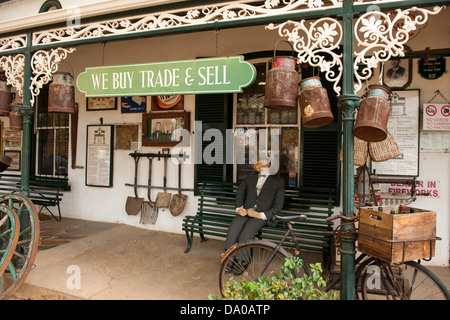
(6, 96)
(314, 104)
(15, 117)
(61, 93)
(373, 114)
(281, 88)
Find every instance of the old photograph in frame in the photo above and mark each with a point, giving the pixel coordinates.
(99, 155)
(397, 73)
(164, 128)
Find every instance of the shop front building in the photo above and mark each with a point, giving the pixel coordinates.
(91, 150)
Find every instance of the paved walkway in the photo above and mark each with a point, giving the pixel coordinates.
(117, 261)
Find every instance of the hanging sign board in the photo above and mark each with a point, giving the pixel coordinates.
(210, 75)
(432, 69)
(436, 117)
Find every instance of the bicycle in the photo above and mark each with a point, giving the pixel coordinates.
(374, 278)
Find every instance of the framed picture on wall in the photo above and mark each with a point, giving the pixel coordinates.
(101, 103)
(397, 73)
(16, 159)
(99, 155)
(167, 102)
(164, 128)
(133, 104)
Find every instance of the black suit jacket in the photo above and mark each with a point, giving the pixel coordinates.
(270, 199)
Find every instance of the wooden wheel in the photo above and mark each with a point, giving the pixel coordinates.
(9, 234)
(27, 244)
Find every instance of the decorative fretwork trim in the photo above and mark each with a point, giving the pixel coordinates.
(233, 10)
(43, 65)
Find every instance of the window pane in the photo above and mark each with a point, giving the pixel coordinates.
(45, 152)
(282, 116)
(61, 145)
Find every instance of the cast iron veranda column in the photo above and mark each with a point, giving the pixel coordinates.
(348, 102)
(27, 111)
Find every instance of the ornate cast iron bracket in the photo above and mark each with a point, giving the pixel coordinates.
(14, 67)
(43, 65)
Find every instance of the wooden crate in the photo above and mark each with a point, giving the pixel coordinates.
(397, 237)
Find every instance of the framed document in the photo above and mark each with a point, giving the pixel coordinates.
(99, 155)
(403, 125)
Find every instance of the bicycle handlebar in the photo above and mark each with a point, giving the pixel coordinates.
(336, 216)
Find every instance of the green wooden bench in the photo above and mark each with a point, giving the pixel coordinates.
(43, 191)
(216, 210)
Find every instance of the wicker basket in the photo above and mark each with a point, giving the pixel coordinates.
(384, 150)
(361, 151)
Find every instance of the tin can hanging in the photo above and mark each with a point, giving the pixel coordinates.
(281, 88)
(314, 103)
(373, 114)
(6, 96)
(15, 117)
(61, 93)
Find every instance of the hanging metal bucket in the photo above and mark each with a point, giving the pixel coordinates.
(373, 115)
(6, 96)
(314, 103)
(281, 88)
(61, 94)
(15, 117)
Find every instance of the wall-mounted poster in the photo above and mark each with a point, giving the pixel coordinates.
(101, 103)
(16, 159)
(99, 155)
(403, 125)
(128, 136)
(133, 104)
(167, 102)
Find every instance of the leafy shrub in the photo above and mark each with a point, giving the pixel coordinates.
(282, 286)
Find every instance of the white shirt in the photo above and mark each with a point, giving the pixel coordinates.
(263, 175)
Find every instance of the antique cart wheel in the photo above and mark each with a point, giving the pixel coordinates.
(27, 245)
(9, 234)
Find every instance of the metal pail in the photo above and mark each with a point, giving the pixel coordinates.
(314, 103)
(6, 97)
(61, 94)
(15, 117)
(281, 88)
(373, 114)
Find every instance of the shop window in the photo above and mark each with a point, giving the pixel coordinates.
(52, 140)
(267, 124)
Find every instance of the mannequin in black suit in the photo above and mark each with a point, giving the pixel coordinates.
(259, 197)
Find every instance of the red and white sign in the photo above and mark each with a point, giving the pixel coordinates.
(429, 188)
(436, 117)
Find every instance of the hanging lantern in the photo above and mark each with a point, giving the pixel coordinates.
(61, 94)
(314, 104)
(15, 117)
(373, 115)
(281, 82)
(6, 96)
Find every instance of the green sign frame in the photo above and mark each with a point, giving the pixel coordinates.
(198, 76)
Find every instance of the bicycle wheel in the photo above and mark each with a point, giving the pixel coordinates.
(407, 281)
(248, 260)
(27, 245)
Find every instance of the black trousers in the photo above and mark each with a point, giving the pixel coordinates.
(241, 229)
